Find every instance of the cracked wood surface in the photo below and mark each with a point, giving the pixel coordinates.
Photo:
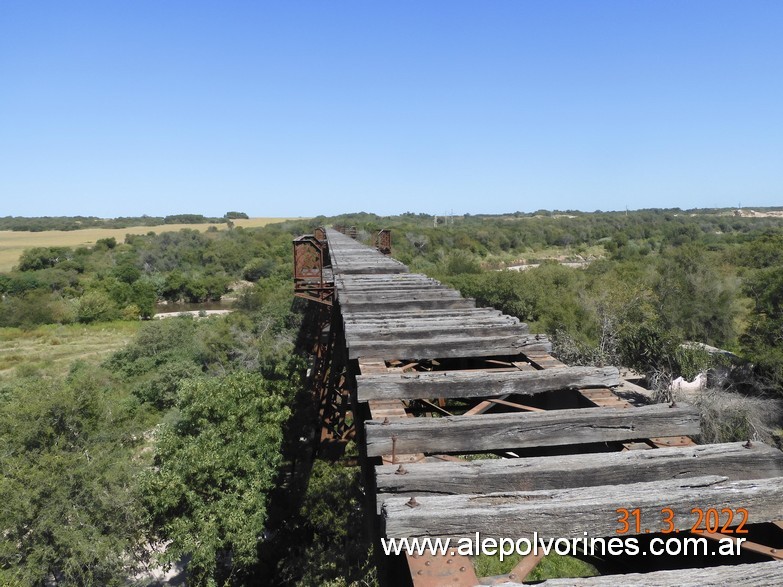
(568, 513)
(488, 432)
(734, 460)
(469, 384)
(748, 575)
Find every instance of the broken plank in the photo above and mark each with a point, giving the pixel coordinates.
(487, 432)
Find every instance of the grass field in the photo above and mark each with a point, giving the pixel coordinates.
(12, 243)
(53, 347)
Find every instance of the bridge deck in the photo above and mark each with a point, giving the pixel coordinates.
(439, 379)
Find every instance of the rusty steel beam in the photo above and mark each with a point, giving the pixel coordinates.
(747, 545)
(310, 279)
(383, 241)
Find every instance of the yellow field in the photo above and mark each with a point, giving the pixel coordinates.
(12, 243)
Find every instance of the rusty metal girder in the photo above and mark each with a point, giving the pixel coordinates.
(383, 241)
(310, 280)
(328, 382)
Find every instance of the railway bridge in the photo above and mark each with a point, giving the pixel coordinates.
(467, 424)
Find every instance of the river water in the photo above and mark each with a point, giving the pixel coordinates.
(166, 307)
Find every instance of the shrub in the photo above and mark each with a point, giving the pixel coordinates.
(96, 306)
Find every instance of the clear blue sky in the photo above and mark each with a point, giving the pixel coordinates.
(292, 108)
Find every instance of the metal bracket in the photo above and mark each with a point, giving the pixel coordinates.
(436, 571)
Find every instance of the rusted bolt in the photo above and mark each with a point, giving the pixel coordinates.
(462, 569)
(773, 550)
(419, 572)
(513, 576)
(428, 563)
(401, 470)
(412, 503)
(449, 561)
(748, 444)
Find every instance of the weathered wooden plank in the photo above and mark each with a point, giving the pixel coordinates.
(424, 319)
(360, 268)
(748, 575)
(445, 329)
(449, 330)
(387, 306)
(396, 290)
(510, 431)
(390, 334)
(427, 325)
(389, 285)
(385, 278)
(365, 255)
(363, 265)
(378, 297)
(584, 470)
(431, 314)
(344, 262)
(458, 384)
(441, 348)
(389, 280)
(392, 287)
(568, 513)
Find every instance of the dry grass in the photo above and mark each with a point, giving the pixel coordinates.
(13, 243)
(53, 347)
(728, 416)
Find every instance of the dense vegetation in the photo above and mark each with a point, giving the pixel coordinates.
(174, 438)
(114, 280)
(38, 224)
(652, 280)
(176, 446)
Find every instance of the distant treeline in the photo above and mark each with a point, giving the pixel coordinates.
(39, 224)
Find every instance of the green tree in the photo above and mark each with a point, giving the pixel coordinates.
(214, 469)
(96, 306)
(43, 257)
(70, 513)
(258, 268)
(145, 297)
(763, 341)
(695, 298)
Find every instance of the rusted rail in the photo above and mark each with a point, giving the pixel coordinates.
(432, 378)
